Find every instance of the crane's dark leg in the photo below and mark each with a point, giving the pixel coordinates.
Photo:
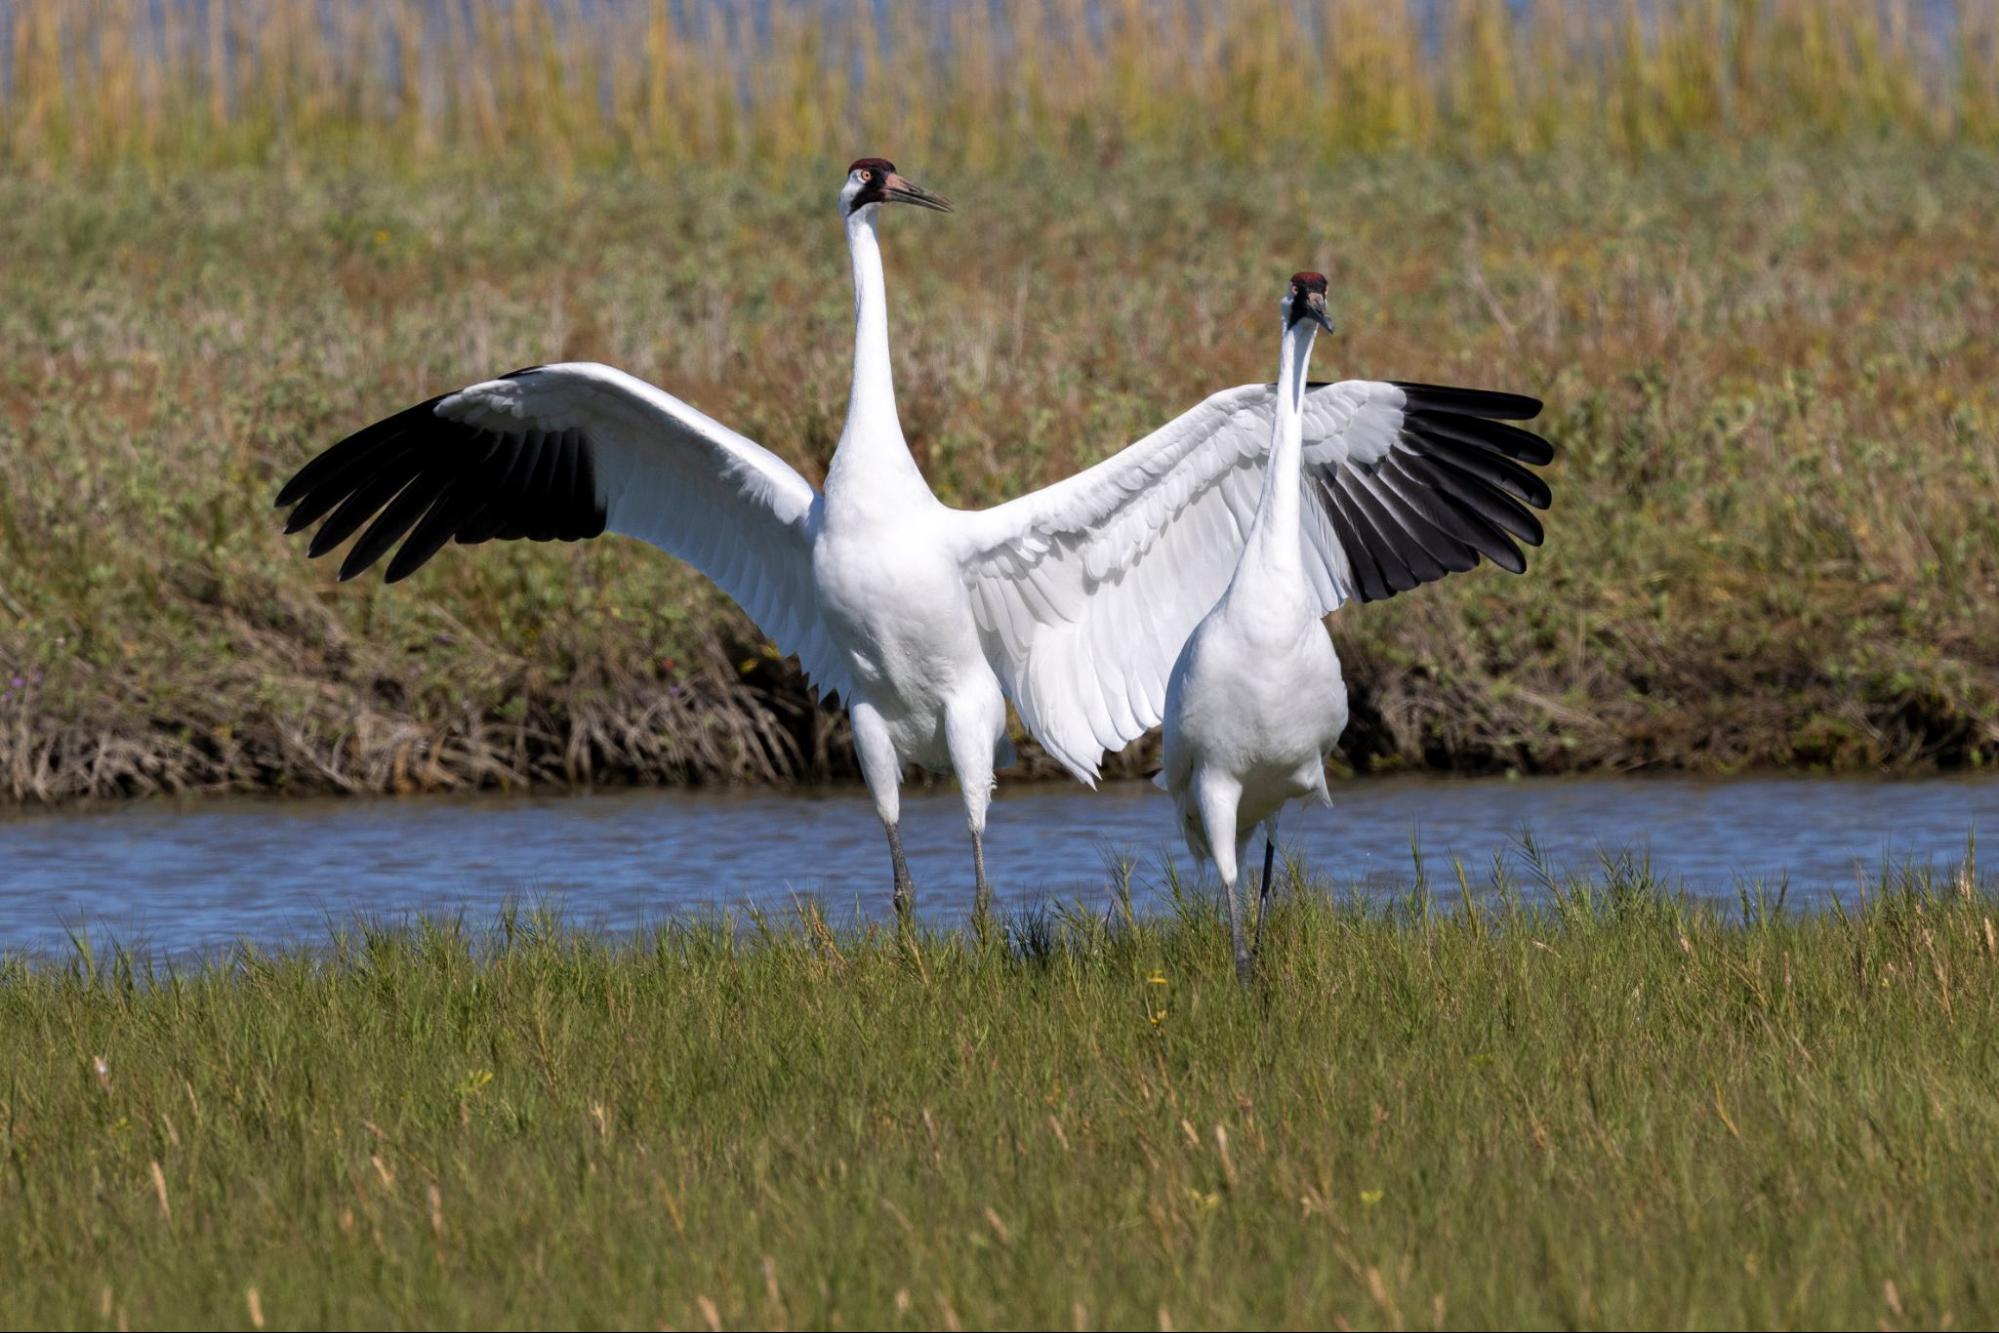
(882, 768)
(905, 887)
(982, 889)
(1263, 899)
(970, 727)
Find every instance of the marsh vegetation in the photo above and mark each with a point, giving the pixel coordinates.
(1743, 253)
(1614, 1108)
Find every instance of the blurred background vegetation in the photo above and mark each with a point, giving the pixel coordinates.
(1742, 249)
(784, 84)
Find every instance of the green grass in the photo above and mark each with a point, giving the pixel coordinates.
(1772, 376)
(1619, 1108)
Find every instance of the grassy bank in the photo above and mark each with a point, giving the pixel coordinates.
(1616, 1110)
(1772, 375)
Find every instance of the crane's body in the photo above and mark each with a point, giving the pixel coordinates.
(1252, 711)
(1071, 602)
(1256, 701)
(922, 690)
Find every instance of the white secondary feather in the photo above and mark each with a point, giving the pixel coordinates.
(1086, 590)
(671, 475)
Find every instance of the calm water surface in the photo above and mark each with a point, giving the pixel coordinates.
(193, 877)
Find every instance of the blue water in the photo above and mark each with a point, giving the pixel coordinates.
(190, 878)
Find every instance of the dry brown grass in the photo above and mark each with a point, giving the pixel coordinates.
(1771, 377)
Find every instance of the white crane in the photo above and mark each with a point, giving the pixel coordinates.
(1255, 702)
(1072, 601)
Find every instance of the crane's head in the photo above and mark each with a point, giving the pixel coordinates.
(1307, 300)
(873, 180)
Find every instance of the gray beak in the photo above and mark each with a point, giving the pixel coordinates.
(896, 190)
(1315, 308)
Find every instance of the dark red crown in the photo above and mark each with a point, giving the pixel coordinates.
(879, 165)
(1311, 282)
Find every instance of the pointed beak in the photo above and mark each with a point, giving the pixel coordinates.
(896, 190)
(1315, 307)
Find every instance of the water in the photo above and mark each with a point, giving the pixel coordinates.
(181, 879)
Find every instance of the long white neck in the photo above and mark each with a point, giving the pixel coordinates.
(872, 438)
(1272, 549)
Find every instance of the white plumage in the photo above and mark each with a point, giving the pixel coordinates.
(670, 475)
(1256, 703)
(1072, 601)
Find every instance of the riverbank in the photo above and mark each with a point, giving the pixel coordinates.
(1770, 375)
(1614, 1110)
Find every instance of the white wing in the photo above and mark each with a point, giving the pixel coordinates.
(561, 453)
(1086, 591)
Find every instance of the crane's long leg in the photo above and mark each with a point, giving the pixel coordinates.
(1243, 962)
(982, 891)
(883, 771)
(970, 728)
(1263, 899)
(1218, 810)
(904, 893)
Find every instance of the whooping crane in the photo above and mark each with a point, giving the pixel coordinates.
(1255, 702)
(1072, 601)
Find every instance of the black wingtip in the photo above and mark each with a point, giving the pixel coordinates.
(414, 482)
(351, 569)
(1488, 403)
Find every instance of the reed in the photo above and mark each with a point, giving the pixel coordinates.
(656, 86)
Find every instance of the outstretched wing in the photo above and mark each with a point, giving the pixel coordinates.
(1086, 591)
(563, 453)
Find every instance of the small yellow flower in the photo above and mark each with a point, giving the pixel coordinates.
(1158, 978)
(1369, 1198)
(1158, 1017)
(381, 236)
